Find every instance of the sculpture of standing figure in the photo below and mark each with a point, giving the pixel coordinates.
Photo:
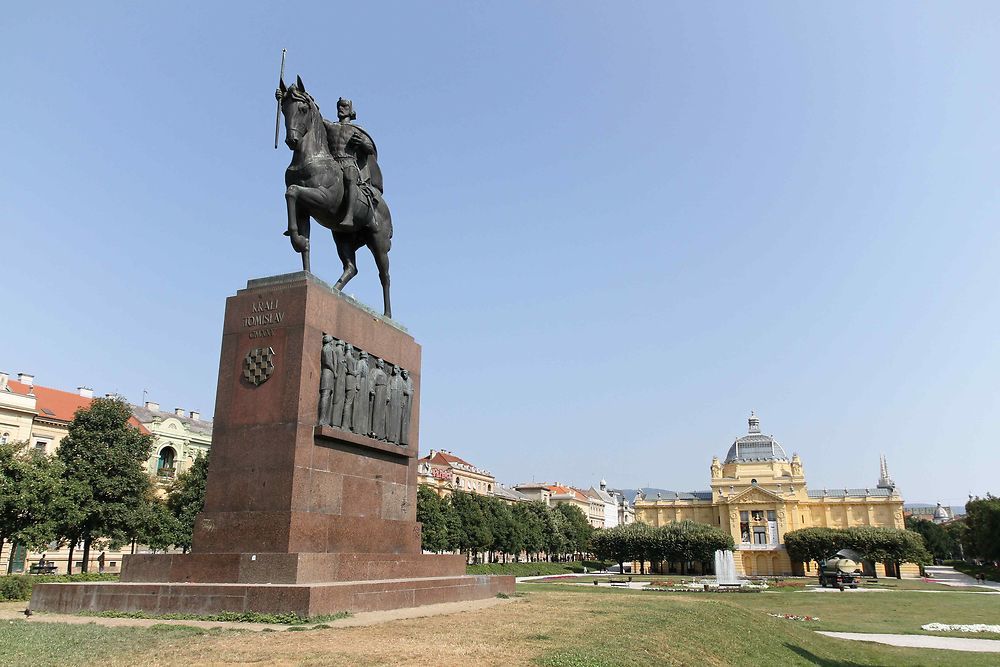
(326, 380)
(394, 420)
(362, 420)
(404, 428)
(350, 386)
(339, 384)
(380, 399)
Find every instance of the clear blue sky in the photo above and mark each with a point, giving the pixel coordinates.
(616, 231)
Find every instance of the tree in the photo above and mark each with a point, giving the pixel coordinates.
(186, 500)
(508, 534)
(577, 527)
(103, 474)
(812, 544)
(29, 495)
(431, 512)
(530, 517)
(554, 527)
(472, 533)
(982, 516)
(940, 542)
(157, 527)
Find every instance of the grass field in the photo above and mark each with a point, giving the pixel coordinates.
(551, 625)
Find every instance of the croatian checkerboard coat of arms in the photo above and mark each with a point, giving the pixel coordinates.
(258, 365)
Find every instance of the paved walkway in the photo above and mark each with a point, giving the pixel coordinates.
(949, 576)
(922, 641)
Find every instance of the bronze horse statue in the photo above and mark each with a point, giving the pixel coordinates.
(334, 179)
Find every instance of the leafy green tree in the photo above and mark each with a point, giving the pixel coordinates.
(982, 516)
(508, 534)
(186, 500)
(29, 495)
(157, 526)
(576, 527)
(432, 513)
(554, 528)
(940, 542)
(104, 477)
(472, 532)
(687, 541)
(812, 544)
(958, 532)
(531, 518)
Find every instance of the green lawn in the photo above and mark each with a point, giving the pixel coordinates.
(36, 643)
(551, 625)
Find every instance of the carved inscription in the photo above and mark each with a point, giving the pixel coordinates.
(364, 394)
(263, 314)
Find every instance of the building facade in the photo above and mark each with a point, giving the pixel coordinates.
(757, 494)
(444, 472)
(41, 417)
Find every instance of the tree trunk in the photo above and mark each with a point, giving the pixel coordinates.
(69, 561)
(86, 554)
(899, 574)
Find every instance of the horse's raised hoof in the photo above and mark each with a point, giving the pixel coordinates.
(300, 243)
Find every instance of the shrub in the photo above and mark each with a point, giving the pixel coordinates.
(17, 587)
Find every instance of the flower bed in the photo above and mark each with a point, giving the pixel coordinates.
(793, 617)
(974, 627)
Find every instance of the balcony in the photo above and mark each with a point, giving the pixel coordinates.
(746, 546)
(166, 473)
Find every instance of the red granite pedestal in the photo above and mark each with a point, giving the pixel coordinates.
(298, 517)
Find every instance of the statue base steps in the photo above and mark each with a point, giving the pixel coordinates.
(314, 599)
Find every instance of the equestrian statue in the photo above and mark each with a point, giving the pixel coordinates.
(334, 179)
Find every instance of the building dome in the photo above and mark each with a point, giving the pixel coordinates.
(940, 513)
(755, 446)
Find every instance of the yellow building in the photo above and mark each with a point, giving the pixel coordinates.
(444, 472)
(41, 416)
(758, 494)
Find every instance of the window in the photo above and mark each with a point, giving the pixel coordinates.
(771, 516)
(759, 535)
(40, 445)
(165, 463)
(4, 438)
(758, 515)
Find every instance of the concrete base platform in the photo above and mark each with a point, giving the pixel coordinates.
(304, 599)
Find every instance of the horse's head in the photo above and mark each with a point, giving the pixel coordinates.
(300, 111)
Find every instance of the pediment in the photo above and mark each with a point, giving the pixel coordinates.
(755, 494)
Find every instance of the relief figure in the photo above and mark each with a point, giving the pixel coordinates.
(380, 399)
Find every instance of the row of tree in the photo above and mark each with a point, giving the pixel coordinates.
(484, 525)
(96, 489)
(882, 545)
(682, 542)
(943, 541)
(981, 537)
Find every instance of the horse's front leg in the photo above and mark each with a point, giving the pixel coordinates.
(300, 241)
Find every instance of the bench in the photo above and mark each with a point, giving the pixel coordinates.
(48, 568)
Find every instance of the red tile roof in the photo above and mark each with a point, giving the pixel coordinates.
(445, 459)
(559, 490)
(58, 405)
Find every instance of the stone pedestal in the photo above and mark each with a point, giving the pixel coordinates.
(298, 517)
